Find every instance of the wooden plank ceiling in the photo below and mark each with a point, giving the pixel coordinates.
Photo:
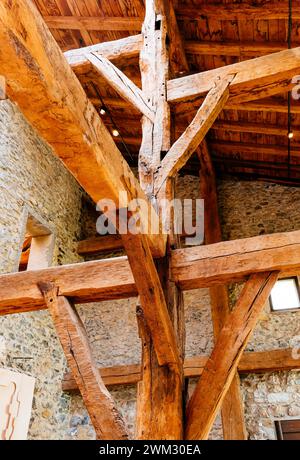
(248, 140)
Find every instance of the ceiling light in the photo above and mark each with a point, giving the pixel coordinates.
(115, 133)
(290, 135)
(102, 111)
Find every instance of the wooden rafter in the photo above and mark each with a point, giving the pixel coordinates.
(105, 417)
(238, 11)
(231, 261)
(251, 362)
(220, 369)
(121, 83)
(213, 48)
(254, 79)
(187, 143)
(230, 12)
(123, 48)
(230, 148)
(263, 105)
(94, 23)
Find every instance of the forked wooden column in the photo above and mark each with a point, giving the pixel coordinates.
(160, 392)
(233, 421)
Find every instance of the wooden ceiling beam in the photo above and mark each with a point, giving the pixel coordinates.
(94, 23)
(225, 147)
(117, 49)
(253, 79)
(237, 11)
(105, 279)
(212, 48)
(266, 105)
(60, 111)
(191, 268)
(254, 128)
(220, 369)
(254, 362)
(70, 330)
(230, 261)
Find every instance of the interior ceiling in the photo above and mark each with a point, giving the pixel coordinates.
(252, 143)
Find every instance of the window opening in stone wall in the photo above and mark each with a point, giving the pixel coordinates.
(37, 247)
(285, 295)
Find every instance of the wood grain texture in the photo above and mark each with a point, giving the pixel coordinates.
(160, 391)
(185, 146)
(220, 369)
(114, 50)
(152, 299)
(230, 261)
(104, 416)
(94, 23)
(254, 79)
(238, 11)
(83, 282)
(36, 70)
(121, 84)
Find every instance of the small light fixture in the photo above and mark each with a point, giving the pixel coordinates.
(102, 111)
(115, 133)
(290, 135)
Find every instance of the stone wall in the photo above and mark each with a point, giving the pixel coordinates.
(32, 178)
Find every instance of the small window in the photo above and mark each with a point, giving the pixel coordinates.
(285, 295)
(288, 430)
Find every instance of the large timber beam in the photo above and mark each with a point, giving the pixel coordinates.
(231, 261)
(248, 49)
(191, 268)
(238, 11)
(253, 79)
(220, 369)
(160, 392)
(36, 71)
(114, 50)
(254, 362)
(232, 408)
(104, 415)
(94, 23)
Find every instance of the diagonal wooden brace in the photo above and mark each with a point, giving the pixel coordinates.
(104, 415)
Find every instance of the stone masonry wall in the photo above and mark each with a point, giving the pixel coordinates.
(32, 178)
